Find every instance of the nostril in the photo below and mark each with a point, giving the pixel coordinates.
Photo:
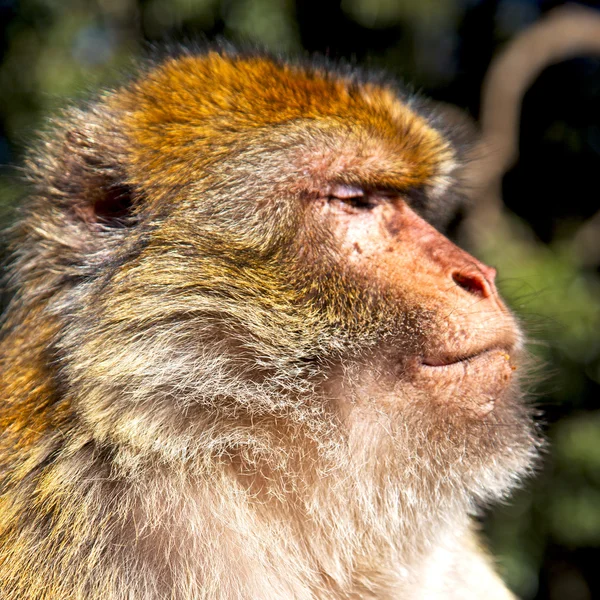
(474, 283)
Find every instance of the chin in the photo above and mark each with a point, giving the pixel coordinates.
(466, 421)
(475, 386)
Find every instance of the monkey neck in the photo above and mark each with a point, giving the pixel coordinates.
(335, 520)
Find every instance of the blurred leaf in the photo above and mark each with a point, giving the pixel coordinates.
(384, 13)
(269, 23)
(574, 515)
(160, 16)
(547, 286)
(577, 447)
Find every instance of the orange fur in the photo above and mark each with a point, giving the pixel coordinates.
(205, 393)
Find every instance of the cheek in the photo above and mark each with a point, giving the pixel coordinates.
(363, 239)
(377, 253)
(366, 247)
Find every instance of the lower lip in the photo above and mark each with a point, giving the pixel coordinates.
(477, 382)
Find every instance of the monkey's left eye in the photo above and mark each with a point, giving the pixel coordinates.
(354, 197)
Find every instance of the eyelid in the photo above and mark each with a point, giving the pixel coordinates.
(352, 196)
(346, 192)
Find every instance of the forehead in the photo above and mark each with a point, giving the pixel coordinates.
(224, 102)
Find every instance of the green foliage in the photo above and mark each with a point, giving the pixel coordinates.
(559, 303)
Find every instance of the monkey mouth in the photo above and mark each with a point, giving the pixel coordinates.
(475, 381)
(452, 360)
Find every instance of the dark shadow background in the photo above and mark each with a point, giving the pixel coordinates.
(548, 539)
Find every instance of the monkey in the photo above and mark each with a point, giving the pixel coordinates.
(241, 359)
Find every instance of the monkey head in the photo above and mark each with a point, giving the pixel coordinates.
(245, 257)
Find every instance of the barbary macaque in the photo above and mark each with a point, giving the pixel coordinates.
(241, 361)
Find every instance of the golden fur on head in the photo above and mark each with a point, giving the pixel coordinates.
(199, 401)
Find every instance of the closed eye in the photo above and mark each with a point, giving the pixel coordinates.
(352, 196)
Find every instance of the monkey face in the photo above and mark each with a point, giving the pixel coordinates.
(466, 337)
(249, 244)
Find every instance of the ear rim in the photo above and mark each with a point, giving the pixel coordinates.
(80, 168)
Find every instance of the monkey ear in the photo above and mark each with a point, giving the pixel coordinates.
(88, 177)
(111, 206)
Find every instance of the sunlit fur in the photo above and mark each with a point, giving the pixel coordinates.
(197, 400)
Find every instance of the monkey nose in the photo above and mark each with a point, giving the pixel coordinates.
(478, 280)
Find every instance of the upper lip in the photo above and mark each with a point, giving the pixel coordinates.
(444, 360)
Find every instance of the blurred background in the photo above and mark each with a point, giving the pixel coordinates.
(527, 74)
